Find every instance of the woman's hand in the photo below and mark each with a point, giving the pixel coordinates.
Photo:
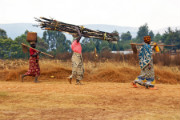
(155, 44)
(39, 52)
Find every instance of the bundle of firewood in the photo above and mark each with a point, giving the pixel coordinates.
(51, 24)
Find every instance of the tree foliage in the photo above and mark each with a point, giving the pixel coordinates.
(143, 31)
(55, 42)
(8, 48)
(3, 34)
(126, 36)
(171, 37)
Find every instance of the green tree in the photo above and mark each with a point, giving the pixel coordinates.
(56, 41)
(104, 46)
(88, 44)
(113, 46)
(97, 43)
(120, 45)
(41, 45)
(3, 34)
(171, 37)
(84, 43)
(151, 34)
(8, 48)
(157, 37)
(126, 36)
(143, 31)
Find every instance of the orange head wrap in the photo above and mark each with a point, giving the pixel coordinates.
(147, 39)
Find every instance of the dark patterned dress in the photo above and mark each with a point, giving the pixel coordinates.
(34, 69)
(146, 63)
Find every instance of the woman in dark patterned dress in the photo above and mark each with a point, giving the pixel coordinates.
(146, 77)
(34, 69)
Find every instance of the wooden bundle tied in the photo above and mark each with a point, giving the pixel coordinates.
(50, 24)
(32, 37)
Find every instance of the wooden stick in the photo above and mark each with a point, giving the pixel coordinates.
(138, 44)
(37, 50)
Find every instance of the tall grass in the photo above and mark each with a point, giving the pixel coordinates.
(165, 59)
(106, 71)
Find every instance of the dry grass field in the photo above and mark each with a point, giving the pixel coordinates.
(106, 93)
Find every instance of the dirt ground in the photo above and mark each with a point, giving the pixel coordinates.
(54, 100)
(105, 95)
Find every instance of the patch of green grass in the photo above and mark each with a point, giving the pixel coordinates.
(3, 94)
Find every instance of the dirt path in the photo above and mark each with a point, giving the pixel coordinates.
(93, 101)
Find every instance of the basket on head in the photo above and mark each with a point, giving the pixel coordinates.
(32, 37)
